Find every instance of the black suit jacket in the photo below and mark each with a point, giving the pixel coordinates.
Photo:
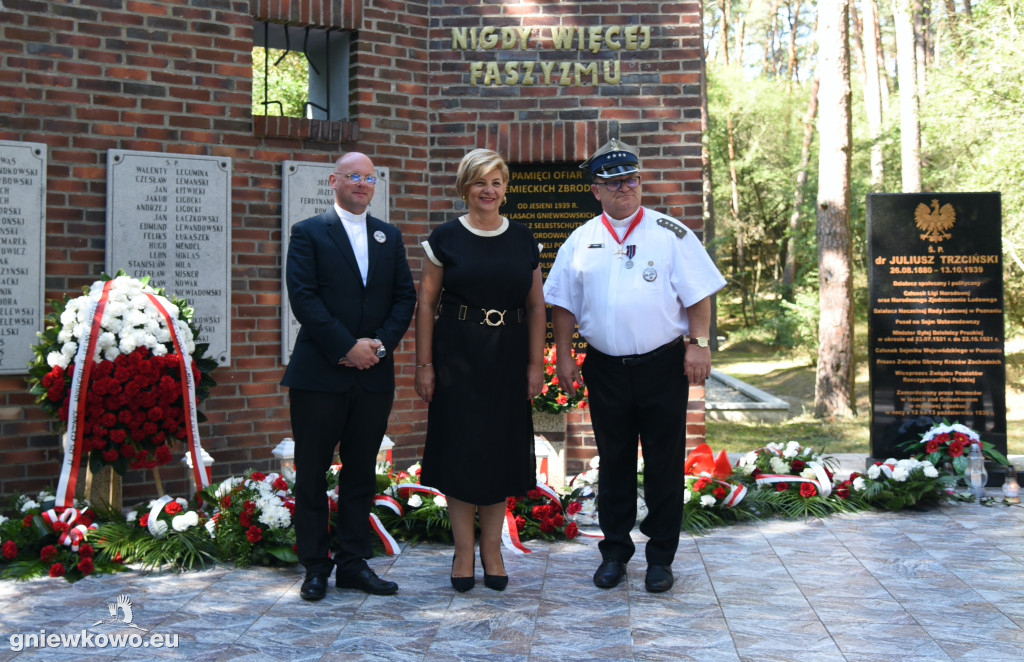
(333, 306)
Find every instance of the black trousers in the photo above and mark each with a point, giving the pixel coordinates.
(355, 422)
(645, 401)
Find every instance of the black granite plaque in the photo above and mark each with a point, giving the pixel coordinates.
(935, 316)
(22, 251)
(553, 199)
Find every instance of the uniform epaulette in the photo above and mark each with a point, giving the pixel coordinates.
(677, 228)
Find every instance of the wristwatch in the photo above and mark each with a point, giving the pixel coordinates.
(699, 341)
(381, 352)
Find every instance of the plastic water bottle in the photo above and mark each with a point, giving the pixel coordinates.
(977, 476)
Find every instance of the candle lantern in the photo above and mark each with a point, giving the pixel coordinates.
(1011, 490)
(285, 454)
(384, 458)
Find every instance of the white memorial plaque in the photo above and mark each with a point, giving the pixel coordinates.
(305, 193)
(169, 217)
(22, 252)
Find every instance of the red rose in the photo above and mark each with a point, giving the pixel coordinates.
(571, 530)
(245, 519)
(574, 507)
(225, 501)
(144, 520)
(86, 551)
(781, 487)
(701, 483)
(511, 503)
(86, 567)
(48, 554)
(254, 534)
(843, 490)
(111, 455)
(163, 455)
(173, 508)
(558, 520)
(60, 527)
(520, 523)
(258, 477)
(9, 550)
(720, 493)
(539, 512)
(808, 490)
(57, 570)
(797, 466)
(281, 484)
(547, 526)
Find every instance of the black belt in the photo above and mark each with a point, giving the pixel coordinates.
(490, 317)
(636, 359)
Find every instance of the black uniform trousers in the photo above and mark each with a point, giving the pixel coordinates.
(355, 421)
(642, 397)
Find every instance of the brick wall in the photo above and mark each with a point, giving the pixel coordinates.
(175, 77)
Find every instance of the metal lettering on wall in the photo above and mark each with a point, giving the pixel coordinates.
(935, 316)
(306, 193)
(552, 199)
(22, 251)
(169, 217)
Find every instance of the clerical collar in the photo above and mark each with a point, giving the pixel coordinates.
(349, 217)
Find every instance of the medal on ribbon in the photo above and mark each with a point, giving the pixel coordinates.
(630, 252)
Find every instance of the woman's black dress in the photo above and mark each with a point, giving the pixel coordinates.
(479, 446)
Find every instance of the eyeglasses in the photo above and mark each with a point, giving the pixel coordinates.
(356, 178)
(616, 184)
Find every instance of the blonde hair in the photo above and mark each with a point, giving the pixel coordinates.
(475, 164)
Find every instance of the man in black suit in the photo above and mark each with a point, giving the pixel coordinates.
(350, 288)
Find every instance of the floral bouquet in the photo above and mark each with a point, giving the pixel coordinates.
(711, 491)
(411, 511)
(897, 484)
(553, 399)
(38, 542)
(793, 481)
(134, 400)
(544, 514)
(253, 522)
(583, 507)
(167, 532)
(949, 445)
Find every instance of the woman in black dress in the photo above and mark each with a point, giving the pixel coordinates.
(480, 354)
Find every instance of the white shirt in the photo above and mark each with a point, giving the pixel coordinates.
(620, 311)
(355, 228)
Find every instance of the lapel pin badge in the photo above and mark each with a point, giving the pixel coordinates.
(379, 236)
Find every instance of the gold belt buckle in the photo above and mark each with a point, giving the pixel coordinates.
(487, 317)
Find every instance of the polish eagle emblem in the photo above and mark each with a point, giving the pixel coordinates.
(935, 221)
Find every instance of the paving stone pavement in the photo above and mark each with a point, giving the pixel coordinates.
(928, 585)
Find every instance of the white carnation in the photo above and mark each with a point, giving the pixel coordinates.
(930, 471)
(900, 474)
(707, 501)
(28, 505)
(687, 495)
(54, 359)
(132, 516)
(779, 465)
(874, 471)
(415, 501)
(859, 484)
(440, 501)
(809, 473)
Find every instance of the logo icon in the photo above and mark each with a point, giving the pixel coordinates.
(124, 606)
(935, 222)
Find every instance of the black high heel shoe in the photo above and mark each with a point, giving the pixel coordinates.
(493, 582)
(462, 584)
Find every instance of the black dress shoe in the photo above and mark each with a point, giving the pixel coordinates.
(461, 584)
(659, 578)
(609, 574)
(366, 580)
(493, 582)
(314, 587)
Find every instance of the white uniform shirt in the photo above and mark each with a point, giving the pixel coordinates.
(355, 228)
(620, 311)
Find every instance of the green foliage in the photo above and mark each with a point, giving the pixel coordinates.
(179, 551)
(287, 85)
(970, 121)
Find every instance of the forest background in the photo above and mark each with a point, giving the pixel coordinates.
(808, 108)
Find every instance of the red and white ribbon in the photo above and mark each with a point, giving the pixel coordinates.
(404, 490)
(68, 483)
(188, 394)
(823, 482)
(74, 535)
(390, 544)
(389, 502)
(510, 534)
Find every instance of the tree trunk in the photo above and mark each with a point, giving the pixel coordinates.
(922, 42)
(833, 389)
(794, 24)
(910, 129)
(789, 271)
(883, 71)
(873, 96)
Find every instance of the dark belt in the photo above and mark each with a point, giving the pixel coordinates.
(490, 317)
(636, 359)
